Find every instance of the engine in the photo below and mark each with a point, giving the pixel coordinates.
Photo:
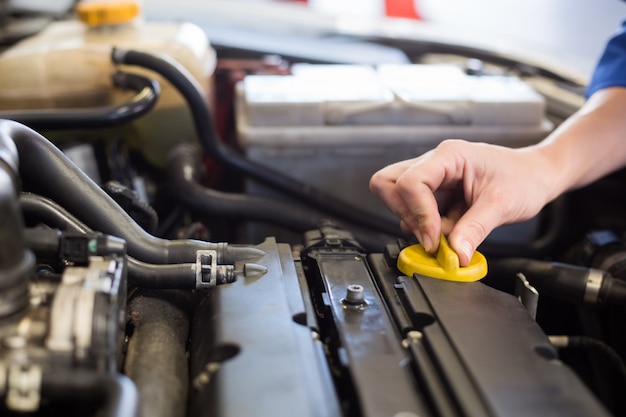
(192, 236)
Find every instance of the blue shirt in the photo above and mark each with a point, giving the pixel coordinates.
(611, 68)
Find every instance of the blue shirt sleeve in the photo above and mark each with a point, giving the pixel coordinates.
(611, 68)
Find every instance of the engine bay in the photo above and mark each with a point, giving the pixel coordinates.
(186, 230)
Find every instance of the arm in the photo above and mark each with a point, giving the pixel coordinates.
(477, 187)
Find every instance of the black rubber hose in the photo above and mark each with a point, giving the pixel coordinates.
(613, 292)
(38, 209)
(562, 281)
(603, 349)
(156, 357)
(206, 203)
(16, 262)
(593, 345)
(45, 242)
(11, 240)
(45, 170)
(116, 396)
(175, 276)
(184, 82)
(93, 118)
(566, 282)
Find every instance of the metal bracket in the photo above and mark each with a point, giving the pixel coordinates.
(526, 294)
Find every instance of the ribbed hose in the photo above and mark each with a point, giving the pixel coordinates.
(180, 78)
(156, 359)
(44, 169)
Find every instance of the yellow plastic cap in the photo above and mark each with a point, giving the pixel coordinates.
(443, 265)
(101, 13)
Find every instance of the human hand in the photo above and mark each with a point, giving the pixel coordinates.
(464, 190)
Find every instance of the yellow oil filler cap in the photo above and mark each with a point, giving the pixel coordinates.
(101, 13)
(443, 265)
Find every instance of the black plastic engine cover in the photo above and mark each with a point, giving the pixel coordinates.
(292, 342)
(476, 350)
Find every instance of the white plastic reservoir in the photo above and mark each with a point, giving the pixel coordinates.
(68, 65)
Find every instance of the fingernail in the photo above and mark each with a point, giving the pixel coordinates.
(466, 248)
(427, 242)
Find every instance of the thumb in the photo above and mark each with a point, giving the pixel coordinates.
(472, 229)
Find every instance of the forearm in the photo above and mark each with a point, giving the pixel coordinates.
(589, 145)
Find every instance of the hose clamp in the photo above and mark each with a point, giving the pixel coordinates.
(206, 269)
(595, 277)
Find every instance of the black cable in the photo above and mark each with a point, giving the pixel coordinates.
(180, 78)
(92, 118)
(592, 345)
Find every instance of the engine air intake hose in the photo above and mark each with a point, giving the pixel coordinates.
(16, 262)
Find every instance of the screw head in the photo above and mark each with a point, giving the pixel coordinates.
(355, 294)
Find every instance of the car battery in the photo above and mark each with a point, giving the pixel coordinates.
(333, 126)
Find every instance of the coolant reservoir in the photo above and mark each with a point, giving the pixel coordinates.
(68, 65)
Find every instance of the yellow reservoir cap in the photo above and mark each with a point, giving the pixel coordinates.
(100, 13)
(443, 265)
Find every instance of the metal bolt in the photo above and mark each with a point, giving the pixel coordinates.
(355, 294)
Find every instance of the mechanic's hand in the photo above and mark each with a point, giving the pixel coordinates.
(475, 186)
